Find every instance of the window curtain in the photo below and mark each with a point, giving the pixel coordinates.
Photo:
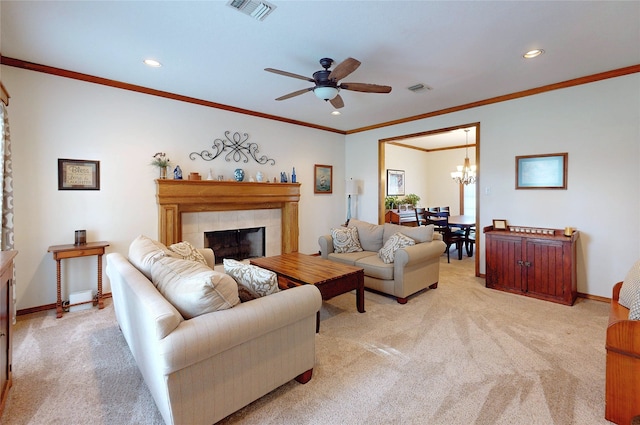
(6, 201)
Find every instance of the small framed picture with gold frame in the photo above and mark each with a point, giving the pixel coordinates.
(499, 224)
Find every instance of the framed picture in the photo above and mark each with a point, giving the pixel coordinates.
(395, 182)
(323, 178)
(78, 174)
(499, 224)
(547, 171)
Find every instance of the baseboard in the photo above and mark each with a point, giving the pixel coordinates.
(46, 307)
(108, 295)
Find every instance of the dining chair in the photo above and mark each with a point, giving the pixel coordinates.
(441, 221)
(470, 241)
(421, 219)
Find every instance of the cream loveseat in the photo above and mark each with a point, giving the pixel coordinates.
(413, 268)
(202, 369)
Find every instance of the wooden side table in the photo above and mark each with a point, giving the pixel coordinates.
(61, 252)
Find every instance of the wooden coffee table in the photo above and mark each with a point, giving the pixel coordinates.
(329, 277)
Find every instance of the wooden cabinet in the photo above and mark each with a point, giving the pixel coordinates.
(405, 218)
(532, 263)
(6, 323)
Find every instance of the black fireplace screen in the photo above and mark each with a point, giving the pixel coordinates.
(238, 244)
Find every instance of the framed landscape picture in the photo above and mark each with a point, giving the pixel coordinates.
(323, 179)
(547, 171)
(78, 174)
(395, 182)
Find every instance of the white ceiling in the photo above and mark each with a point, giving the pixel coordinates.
(466, 51)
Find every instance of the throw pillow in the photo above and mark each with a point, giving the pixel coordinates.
(143, 252)
(187, 251)
(388, 252)
(253, 281)
(192, 287)
(419, 234)
(634, 312)
(370, 235)
(630, 286)
(345, 239)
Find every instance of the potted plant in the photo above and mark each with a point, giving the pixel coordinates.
(412, 199)
(390, 202)
(161, 161)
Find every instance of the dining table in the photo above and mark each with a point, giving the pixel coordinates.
(466, 223)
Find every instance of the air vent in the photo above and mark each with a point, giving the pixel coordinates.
(258, 10)
(418, 88)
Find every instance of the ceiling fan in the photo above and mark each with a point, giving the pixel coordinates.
(326, 82)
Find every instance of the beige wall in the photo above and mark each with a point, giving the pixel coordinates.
(53, 117)
(598, 124)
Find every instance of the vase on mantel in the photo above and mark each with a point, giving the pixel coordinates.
(163, 172)
(238, 174)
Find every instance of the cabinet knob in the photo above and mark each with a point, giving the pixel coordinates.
(527, 263)
(520, 263)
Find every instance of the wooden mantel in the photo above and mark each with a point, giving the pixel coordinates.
(175, 197)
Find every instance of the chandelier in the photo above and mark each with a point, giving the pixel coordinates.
(466, 173)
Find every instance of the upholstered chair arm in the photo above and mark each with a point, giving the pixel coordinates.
(418, 253)
(205, 336)
(326, 245)
(208, 255)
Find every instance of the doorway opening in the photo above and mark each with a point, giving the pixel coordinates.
(463, 199)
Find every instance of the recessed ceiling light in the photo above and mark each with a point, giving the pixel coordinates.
(533, 53)
(335, 113)
(152, 62)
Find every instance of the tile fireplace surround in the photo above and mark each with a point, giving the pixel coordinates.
(239, 203)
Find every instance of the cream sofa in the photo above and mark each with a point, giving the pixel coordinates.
(203, 369)
(414, 268)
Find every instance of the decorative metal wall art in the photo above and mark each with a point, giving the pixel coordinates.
(237, 148)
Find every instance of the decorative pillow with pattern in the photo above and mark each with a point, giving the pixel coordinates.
(187, 251)
(253, 281)
(345, 239)
(634, 312)
(388, 252)
(630, 286)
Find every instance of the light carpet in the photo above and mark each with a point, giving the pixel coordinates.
(459, 354)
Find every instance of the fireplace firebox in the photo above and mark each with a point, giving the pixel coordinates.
(236, 244)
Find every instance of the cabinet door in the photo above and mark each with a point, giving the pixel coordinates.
(549, 269)
(503, 270)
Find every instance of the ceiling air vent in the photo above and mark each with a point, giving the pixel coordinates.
(418, 88)
(256, 9)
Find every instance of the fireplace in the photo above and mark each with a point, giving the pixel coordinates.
(237, 244)
(177, 197)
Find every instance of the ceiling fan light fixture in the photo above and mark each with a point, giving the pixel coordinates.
(336, 113)
(326, 93)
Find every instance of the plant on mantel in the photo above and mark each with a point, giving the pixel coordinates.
(161, 161)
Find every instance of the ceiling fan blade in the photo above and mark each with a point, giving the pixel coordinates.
(290, 74)
(366, 88)
(344, 68)
(295, 93)
(337, 102)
